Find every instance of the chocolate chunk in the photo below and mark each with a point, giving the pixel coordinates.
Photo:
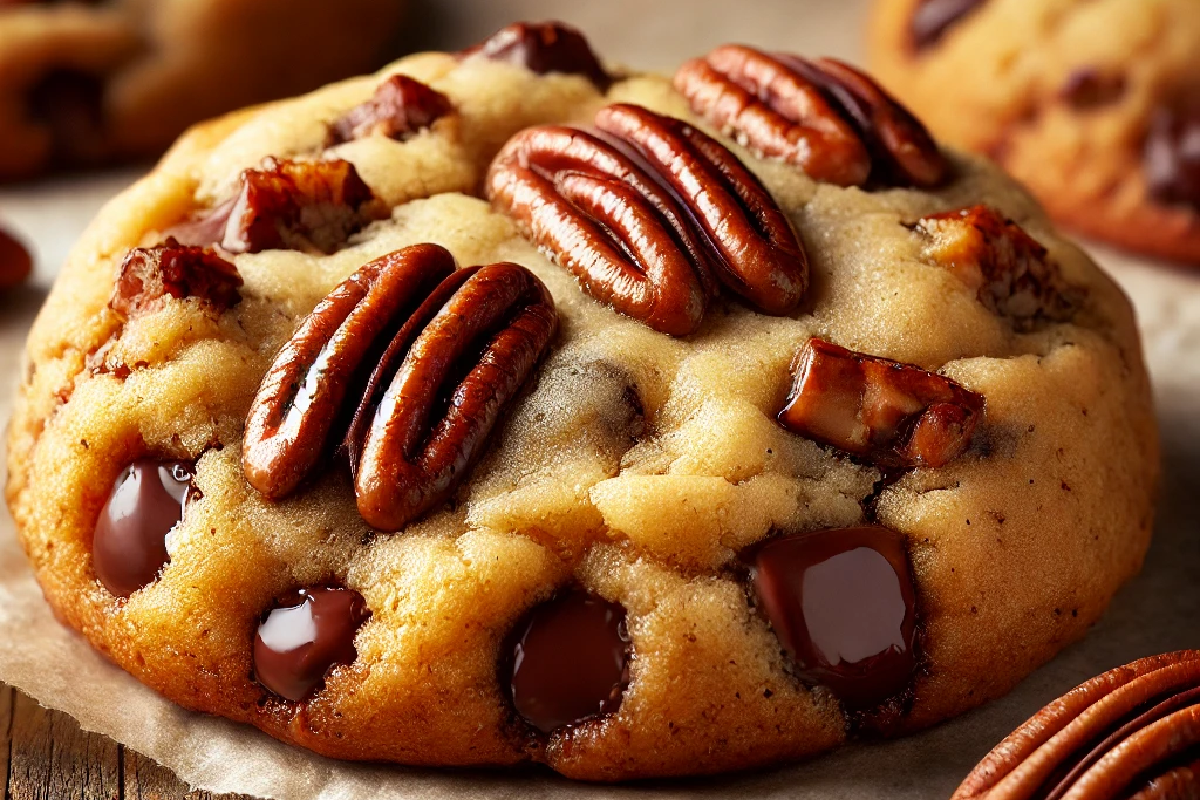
(303, 636)
(148, 274)
(571, 661)
(147, 501)
(400, 107)
(70, 103)
(841, 602)
(16, 262)
(1088, 87)
(933, 18)
(544, 47)
(1172, 154)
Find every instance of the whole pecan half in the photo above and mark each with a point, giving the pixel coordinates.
(148, 274)
(831, 120)
(1009, 270)
(300, 409)
(442, 385)
(410, 363)
(896, 415)
(646, 210)
(1133, 732)
(544, 47)
(400, 107)
(312, 206)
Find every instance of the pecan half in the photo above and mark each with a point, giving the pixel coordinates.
(831, 120)
(400, 107)
(441, 387)
(544, 47)
(312, 206)
(148, 274)
(896, 415)
(1133, 732)
(299, 411)
(646, 210)
(1008, 269)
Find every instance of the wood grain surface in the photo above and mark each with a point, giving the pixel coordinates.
(44, 755)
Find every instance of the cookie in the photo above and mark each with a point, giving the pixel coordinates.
(1091, 104)
(90, 83)
(504, 407)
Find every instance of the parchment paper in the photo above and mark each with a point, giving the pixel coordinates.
(1157, 612)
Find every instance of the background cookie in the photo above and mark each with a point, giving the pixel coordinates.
(1092, 104)
(640, 468)
(90, 83)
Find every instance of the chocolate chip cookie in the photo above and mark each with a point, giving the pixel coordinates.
(506, 407)
(89, 82)
(1094, 105)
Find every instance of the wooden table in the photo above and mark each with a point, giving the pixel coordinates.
(45, 754)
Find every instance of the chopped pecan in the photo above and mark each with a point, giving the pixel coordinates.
(646, 210)
(544, 47)
(313, 206)
(1133, 732)
(896, 415)
(416, 361)
(1008, 269)
(400, 107)
(824, 116)
(148, 274)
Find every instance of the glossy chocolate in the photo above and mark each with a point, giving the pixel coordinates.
(146, 502)
(571, 661)
(1172, 154)
(933, 18)
(842, 604)
(545, 47)
(305, 634)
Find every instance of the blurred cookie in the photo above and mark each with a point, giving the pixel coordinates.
(89, 83)
(1094, 104)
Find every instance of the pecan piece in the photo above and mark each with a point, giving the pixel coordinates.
(400, 107)
(544, 47)
(301, 402)
(824, 116)
(646, 210)
(148, 274)
(1132, 732)
(312, 206)
(441, 387)
(896, 415)
(1009, 270)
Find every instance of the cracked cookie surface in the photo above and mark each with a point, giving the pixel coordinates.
(626, 485)
(1088, 102)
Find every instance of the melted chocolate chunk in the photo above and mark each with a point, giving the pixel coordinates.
(542, 48)
(1172, 154)
(933, 18)
(571, 661)
(1088, 88)
(147, 501)
(841, 602)
(303, 636)
(70, 103)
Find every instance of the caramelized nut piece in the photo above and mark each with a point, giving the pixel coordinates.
(895, 415)
(646, 211)
(824, 116)
(542, 48)
(400, 107)
(441, 387)
(300, 411)
(1133, 732)
(148, 274)
(312, 206)
(1008, 269)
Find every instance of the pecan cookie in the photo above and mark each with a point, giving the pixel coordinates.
(1094, 105)
(504, 407)
(89, 82)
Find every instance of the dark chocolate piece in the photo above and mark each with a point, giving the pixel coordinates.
(571, 661)
(542, 48)
(147, 501)
(842, 603)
